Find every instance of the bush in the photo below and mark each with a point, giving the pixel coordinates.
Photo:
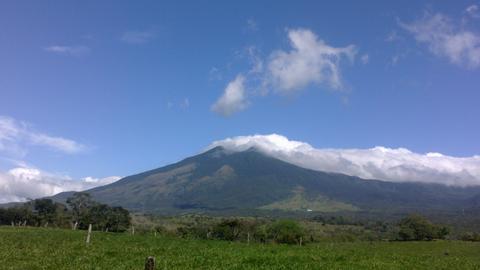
(469, 236)
(227, 230)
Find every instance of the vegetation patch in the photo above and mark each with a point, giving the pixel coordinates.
(300, 202)
(46, 248)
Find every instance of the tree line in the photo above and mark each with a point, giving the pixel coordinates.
(80, 211)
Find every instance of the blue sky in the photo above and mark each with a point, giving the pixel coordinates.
(133, 85)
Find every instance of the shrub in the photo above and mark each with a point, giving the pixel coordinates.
(469, 236)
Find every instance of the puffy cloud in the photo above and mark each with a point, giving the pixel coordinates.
(137, 37)
(23, 183)
(444, 38)
(233, 98)
(77, 50)
(310, 61)
(15, 135)
(395, 165)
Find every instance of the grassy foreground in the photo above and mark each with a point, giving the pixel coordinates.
(34, 248)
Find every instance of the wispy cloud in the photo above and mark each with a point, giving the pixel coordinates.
(17, 136)
(182, 104)
(233, 98)
(392, 36)
(137, 37)
(473, 11)
(23, 183)
(76, 50)
(381, 163)
(185, 104)
(446, 39)
(252, 25)
(365, 59)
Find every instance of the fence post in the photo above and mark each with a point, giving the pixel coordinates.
(133, 230)
(89, 233)
(248, 238)
(150, 263)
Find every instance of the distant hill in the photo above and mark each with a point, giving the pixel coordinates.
(219, 180)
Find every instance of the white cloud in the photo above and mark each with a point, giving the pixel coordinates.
(185, 104)
(473, 11)
(395, 165)
(62, 144)
(365, 59)
(256, 62)
(392, 36)
(252, 25)
(445, 39)
(310, 61)
(15, 136)
(137, 37)
(214, 74)
(233, 98)
(23, 183)
(77, 50)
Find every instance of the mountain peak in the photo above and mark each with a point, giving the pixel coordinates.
(215, 149)
(224, 179)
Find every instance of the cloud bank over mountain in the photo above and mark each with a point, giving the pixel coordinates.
(23, 183)
(382, 163)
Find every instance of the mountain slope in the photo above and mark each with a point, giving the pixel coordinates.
(219, 180)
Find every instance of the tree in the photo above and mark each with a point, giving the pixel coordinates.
(285, 231)
(416, 227)
(80, 203)
(45, 209)
(227, 230)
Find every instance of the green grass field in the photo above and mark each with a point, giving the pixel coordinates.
(34, 248)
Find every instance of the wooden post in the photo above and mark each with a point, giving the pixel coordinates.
(150, 263)
(133, 230)
(248, 238)
(89, 233)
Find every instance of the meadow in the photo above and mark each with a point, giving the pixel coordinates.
(28, 248)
